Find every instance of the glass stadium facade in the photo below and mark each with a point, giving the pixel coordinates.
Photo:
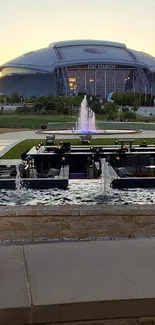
(99, 80)
(79, 67)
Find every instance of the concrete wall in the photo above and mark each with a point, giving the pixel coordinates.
(34, 223)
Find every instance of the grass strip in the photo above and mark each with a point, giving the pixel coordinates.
(17, 150)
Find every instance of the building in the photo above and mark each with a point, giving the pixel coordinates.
(78, 67)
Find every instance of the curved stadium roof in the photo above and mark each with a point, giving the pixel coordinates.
(80, 52)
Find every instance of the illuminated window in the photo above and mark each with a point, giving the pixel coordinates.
(13, 70)
(72, 79)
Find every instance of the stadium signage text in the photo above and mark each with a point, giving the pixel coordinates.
(101, 66)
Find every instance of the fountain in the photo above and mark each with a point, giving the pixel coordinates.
(86, 122)
(105, 182)
(18, 179)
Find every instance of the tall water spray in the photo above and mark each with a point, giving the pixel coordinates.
(18, 179)
(86, 122)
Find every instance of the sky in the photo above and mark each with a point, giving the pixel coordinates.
(28, 25)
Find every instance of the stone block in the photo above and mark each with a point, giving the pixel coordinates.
(83, 229)
(45, 227)
(15, 316)
(65, 226)
(49, 210)
(45, 221)
(67, 210)
(15, 236)
(131, 210)
(97, 313)
(4, 211)
(57, 210)
(76, 221)
(26, 210)
(86, 210)
(15, 223)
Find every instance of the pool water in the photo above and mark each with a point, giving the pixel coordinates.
(79, 192)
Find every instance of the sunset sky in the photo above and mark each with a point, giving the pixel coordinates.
(32, 24)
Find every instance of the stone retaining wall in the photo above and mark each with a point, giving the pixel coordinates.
(34, 223)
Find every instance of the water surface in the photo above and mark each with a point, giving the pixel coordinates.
(78, 192)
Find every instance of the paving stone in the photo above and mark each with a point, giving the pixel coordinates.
(13, 282)
(61, 273)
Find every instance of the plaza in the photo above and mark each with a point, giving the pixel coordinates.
(77, 162)
(75, 264)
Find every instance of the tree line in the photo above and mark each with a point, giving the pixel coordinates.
(134, 100)
(122, 108)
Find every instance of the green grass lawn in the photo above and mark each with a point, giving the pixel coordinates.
(28, 121)
(16, 151)
(31, 121)
(14, 120)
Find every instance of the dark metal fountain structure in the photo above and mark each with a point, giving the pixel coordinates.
(134, 165)
(53, 166)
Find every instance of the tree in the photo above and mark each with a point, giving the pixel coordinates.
(111, 111)
(38, 106)
(41, 99)
(1, 99)
(128, 116)
(132, 99)
(96, 107)
(135, 104)
(4, 99)
(50, 106)
(15, 98)
(65, 111)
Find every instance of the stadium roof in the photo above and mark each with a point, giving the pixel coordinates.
(81, 52)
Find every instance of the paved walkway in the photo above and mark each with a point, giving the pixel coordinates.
(10, 162)
(77, 272)
(7, 144)
(22, 135)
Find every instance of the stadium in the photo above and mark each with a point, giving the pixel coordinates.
(79, 67)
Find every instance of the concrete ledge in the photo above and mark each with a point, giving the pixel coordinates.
(78, 210)
(35, 223)
(99, 283)
(15, 316)
(101, 310)
(27, 316)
